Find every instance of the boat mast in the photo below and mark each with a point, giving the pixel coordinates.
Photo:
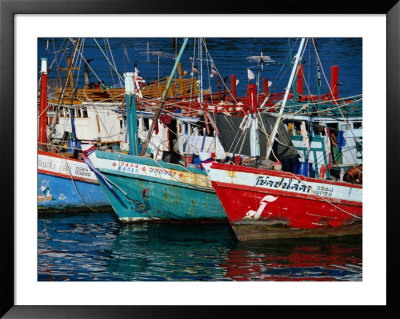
(201, 69)
(163, 98)
(254, 138)
(43, 105)
(61, 98)
(278, 120)
(131, 113)
(295, 97)
(318, 75)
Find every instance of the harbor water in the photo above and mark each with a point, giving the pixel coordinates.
(94, 246)
(90, 246)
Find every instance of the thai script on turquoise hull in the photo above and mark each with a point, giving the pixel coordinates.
(155, 190)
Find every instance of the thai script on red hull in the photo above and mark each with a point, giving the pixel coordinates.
(262, 204)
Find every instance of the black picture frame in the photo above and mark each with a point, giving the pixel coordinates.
(8, 10)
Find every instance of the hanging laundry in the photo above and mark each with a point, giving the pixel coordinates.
(304, 133)
(340, 141)
(165, 119)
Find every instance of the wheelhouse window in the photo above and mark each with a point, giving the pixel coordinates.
(84, 112)
(319, 129)
(146, 123)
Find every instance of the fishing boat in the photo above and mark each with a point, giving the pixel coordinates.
(98, 111)
(264, 204)
(92, 113)
(67, 185)
(141, 188)
(325, 128)
(64, 183)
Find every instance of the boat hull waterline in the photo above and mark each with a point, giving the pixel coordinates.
(265, 204)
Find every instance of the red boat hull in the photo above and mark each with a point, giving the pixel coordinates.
(259, 213)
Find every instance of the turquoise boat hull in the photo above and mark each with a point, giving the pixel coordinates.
(142, 189)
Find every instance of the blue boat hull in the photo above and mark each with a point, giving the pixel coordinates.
(61, 194)
(139, 197)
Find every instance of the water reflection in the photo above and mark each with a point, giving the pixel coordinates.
(87, 247)
(171, 251)
(294, 260)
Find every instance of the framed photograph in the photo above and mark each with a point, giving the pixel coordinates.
(57, 266)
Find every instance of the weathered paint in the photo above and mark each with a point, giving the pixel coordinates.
(59, 194)
(263, 204)
(67, 185)
(153, 190)
(246, 231)
(147, 168)
(61, 166)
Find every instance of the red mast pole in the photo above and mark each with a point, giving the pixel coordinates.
(42, 138)
(252, 89)
(265, 85)
(335, 81)
(299, 86)
(233, 85)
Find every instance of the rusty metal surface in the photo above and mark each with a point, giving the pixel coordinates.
(265, 231)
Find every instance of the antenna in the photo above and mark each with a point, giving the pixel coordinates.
(260, 60)
(158, 54)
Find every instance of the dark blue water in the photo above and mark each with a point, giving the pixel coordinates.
(229, 55)
(94, 246)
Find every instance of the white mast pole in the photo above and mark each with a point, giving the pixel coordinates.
(201, 68)
(254, 139)
(278, 120)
